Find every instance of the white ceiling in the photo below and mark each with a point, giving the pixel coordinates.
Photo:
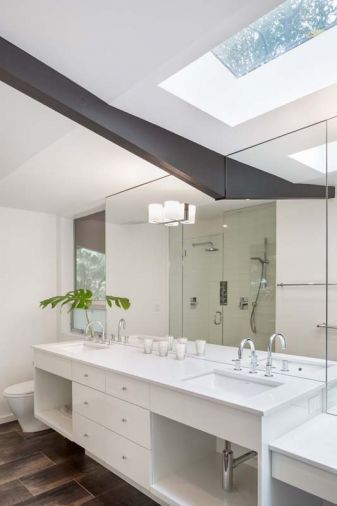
(120, 50)
(50, 164)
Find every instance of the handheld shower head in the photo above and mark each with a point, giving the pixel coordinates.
(259, 259)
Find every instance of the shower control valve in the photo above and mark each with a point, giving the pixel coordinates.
(243, 303)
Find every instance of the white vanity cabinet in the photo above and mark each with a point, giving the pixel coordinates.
(110, 412)
(165, 440)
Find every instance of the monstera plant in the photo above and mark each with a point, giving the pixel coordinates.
(83, 299)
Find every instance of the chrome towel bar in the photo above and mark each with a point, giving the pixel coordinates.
(325, 326)
(306, 284)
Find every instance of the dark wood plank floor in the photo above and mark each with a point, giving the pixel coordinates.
(45, 469)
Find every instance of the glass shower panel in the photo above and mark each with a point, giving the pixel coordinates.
(202, 277)
(249, 268)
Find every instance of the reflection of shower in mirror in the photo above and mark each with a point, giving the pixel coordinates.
(262, 284)
(209, 244)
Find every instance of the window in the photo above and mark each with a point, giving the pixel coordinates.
(289, 25)
(89, 239)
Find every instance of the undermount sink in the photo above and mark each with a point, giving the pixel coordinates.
(232, 384)
(79, 347)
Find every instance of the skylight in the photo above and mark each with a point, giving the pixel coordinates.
(315, 157)
(289, 25)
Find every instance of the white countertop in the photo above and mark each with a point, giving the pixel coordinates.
(314, 442)
(171, 373)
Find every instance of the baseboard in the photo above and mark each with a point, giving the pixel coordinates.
(7, 418)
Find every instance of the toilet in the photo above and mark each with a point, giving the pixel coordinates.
(20, 398)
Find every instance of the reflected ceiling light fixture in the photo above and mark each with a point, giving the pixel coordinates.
(171, 213)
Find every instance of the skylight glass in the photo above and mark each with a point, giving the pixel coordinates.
(315, 157)
(289, 25)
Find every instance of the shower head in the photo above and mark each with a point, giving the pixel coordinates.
(212, 248)
(210, 245)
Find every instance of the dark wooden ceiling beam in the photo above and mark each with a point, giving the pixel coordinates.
(189, 161)
(206, 170)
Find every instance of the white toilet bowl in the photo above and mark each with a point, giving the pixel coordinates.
(20, 399)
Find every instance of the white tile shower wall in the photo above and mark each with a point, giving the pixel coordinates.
(244, 238)
(138, 268)
(28, 273)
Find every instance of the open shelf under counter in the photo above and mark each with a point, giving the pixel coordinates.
(57, 420)
(200, 483)
(52, 395)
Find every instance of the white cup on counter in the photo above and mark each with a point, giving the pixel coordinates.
(170, 340)
(182, 340)
(148, 345)
(180, 351)
(200, 347)
(163, 348)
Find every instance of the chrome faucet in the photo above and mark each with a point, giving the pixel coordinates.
(121, 325)
(243, 343)
(269, 363)
(90, 324)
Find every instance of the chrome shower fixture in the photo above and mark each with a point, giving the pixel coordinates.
(210, 245)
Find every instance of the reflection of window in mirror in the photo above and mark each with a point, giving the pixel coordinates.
(89, 265)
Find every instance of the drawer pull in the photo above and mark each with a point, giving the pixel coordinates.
(85, 435)
(123, 457)
(86, 375)
(124, 420)
(124, 389)
(86, 403)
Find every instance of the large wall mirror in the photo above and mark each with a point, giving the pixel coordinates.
(245, 268)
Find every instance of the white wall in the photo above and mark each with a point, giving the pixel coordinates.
(28, 274)
(65, 280)
(137, 266)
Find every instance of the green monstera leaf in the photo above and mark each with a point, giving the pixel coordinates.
(82, 299)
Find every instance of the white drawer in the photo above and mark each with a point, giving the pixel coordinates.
(89, 403)
(126, 419)
(53, 363)
(88, 375)
(89, 435)
(128, 458)
(128, 389)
